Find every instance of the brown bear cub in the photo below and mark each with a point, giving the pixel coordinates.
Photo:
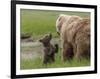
(49, 49)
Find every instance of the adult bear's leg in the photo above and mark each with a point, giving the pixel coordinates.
(67, 51)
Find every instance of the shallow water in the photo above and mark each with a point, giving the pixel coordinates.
(33, 50)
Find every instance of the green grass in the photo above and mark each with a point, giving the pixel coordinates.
(38, 23)
(38, 63)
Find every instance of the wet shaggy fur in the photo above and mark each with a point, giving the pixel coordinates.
(49, 49)
(75, 35)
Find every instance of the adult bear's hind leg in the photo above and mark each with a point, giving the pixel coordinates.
(67, 51)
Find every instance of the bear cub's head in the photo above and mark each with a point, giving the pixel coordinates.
(46, 39)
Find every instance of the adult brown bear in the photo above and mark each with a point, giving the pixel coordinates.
(75, 35)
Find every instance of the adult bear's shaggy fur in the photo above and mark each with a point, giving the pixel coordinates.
(75, 36)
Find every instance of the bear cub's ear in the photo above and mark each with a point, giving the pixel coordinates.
(50, 35)
(40, 40)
